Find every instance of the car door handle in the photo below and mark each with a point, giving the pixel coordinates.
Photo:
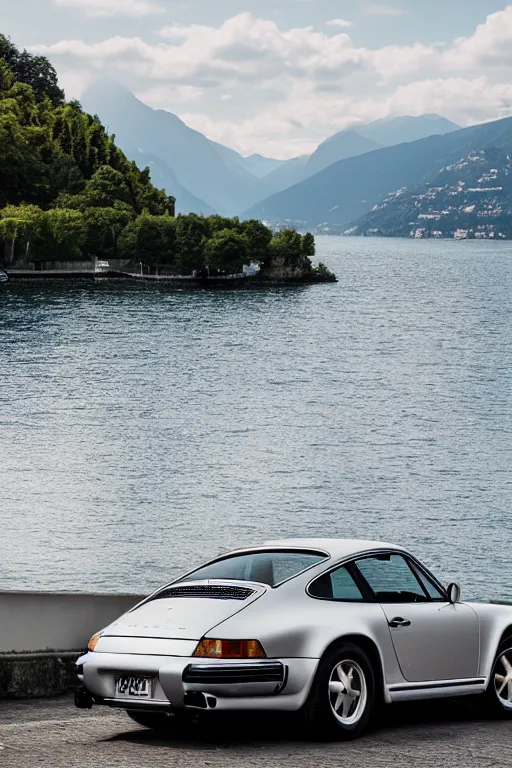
(399, 622)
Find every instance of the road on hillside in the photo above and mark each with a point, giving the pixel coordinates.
(53, 734)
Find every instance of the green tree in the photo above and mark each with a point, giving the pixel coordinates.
(191, 237)
(308, 245)
(22, 170)
(227, 251)
(150, 240)
(258, 237)
(19, 226)
(287, 246)
(104, 228)
(62, 235)
(6, 77)
(143, 195)
(218, 223)
(106, 187)
(287, 256)
(35, 71)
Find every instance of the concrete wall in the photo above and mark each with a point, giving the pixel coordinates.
(32, 621)
(65, 266)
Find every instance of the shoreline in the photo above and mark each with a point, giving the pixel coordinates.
(178, 281)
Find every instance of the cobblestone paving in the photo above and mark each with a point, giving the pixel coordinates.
(53, 734)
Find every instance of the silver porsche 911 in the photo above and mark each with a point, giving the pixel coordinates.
(329, 629)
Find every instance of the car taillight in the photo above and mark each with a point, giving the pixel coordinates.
(93, 642)
(230, 649)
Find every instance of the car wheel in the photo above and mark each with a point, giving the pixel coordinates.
(157, 721)
(341, 703)
(499, 691)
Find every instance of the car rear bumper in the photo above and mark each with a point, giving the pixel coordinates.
(193, 683)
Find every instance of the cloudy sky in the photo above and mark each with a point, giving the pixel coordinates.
(279, 81)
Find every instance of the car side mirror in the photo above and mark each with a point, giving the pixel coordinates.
(454, 593)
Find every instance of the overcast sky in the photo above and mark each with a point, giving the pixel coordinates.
(280, 81)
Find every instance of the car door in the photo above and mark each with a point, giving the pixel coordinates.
(433, 639)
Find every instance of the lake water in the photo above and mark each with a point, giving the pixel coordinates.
(143, 430)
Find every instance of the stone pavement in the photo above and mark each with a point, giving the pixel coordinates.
(53, 734)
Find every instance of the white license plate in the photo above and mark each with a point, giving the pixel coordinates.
(134, 687)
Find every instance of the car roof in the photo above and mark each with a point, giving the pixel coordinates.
(336, 548)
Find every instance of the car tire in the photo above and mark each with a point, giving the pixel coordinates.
(498, 696)
(156, 721)
(341, 703)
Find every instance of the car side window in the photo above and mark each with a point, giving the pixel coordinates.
(392, 579)
(433, 591)
(337, 585)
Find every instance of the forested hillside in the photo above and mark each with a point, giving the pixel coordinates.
(68, 192)
(64, 181)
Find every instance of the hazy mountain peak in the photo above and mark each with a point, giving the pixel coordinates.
(107, 88)
(346, 143)
(208, 171)
(402, 128)
(219, 177)
(349, 189)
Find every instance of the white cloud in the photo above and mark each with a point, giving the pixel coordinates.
(242, 49)
(262, 88)
(161, 95)
(473, 99)
(376, 9)
(490, 46)
(76, 81)
(342, 23)
(398, 61)
(134, 8)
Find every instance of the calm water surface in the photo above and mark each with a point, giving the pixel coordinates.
(143, 430)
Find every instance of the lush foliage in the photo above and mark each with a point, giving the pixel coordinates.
(69, 193)
(35, 71)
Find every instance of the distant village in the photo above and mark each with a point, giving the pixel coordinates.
(470, 199)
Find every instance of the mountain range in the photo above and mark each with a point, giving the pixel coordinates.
(469, 198)
(207, 177)
(209, 172)
(338, 196)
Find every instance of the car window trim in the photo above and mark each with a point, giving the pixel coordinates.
(425, 573)
(263, 550)
(366, 593)
(326, 559)
(405, 557)
(361, 583)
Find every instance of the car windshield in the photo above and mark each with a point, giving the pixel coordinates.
(270, 567)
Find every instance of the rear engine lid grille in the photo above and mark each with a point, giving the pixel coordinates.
(215, 592)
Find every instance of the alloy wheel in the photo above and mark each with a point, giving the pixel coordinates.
(348, 692)
(503, 679)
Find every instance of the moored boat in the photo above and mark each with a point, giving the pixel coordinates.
(4, 277)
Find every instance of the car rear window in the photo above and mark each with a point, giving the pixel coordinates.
(269, 567)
